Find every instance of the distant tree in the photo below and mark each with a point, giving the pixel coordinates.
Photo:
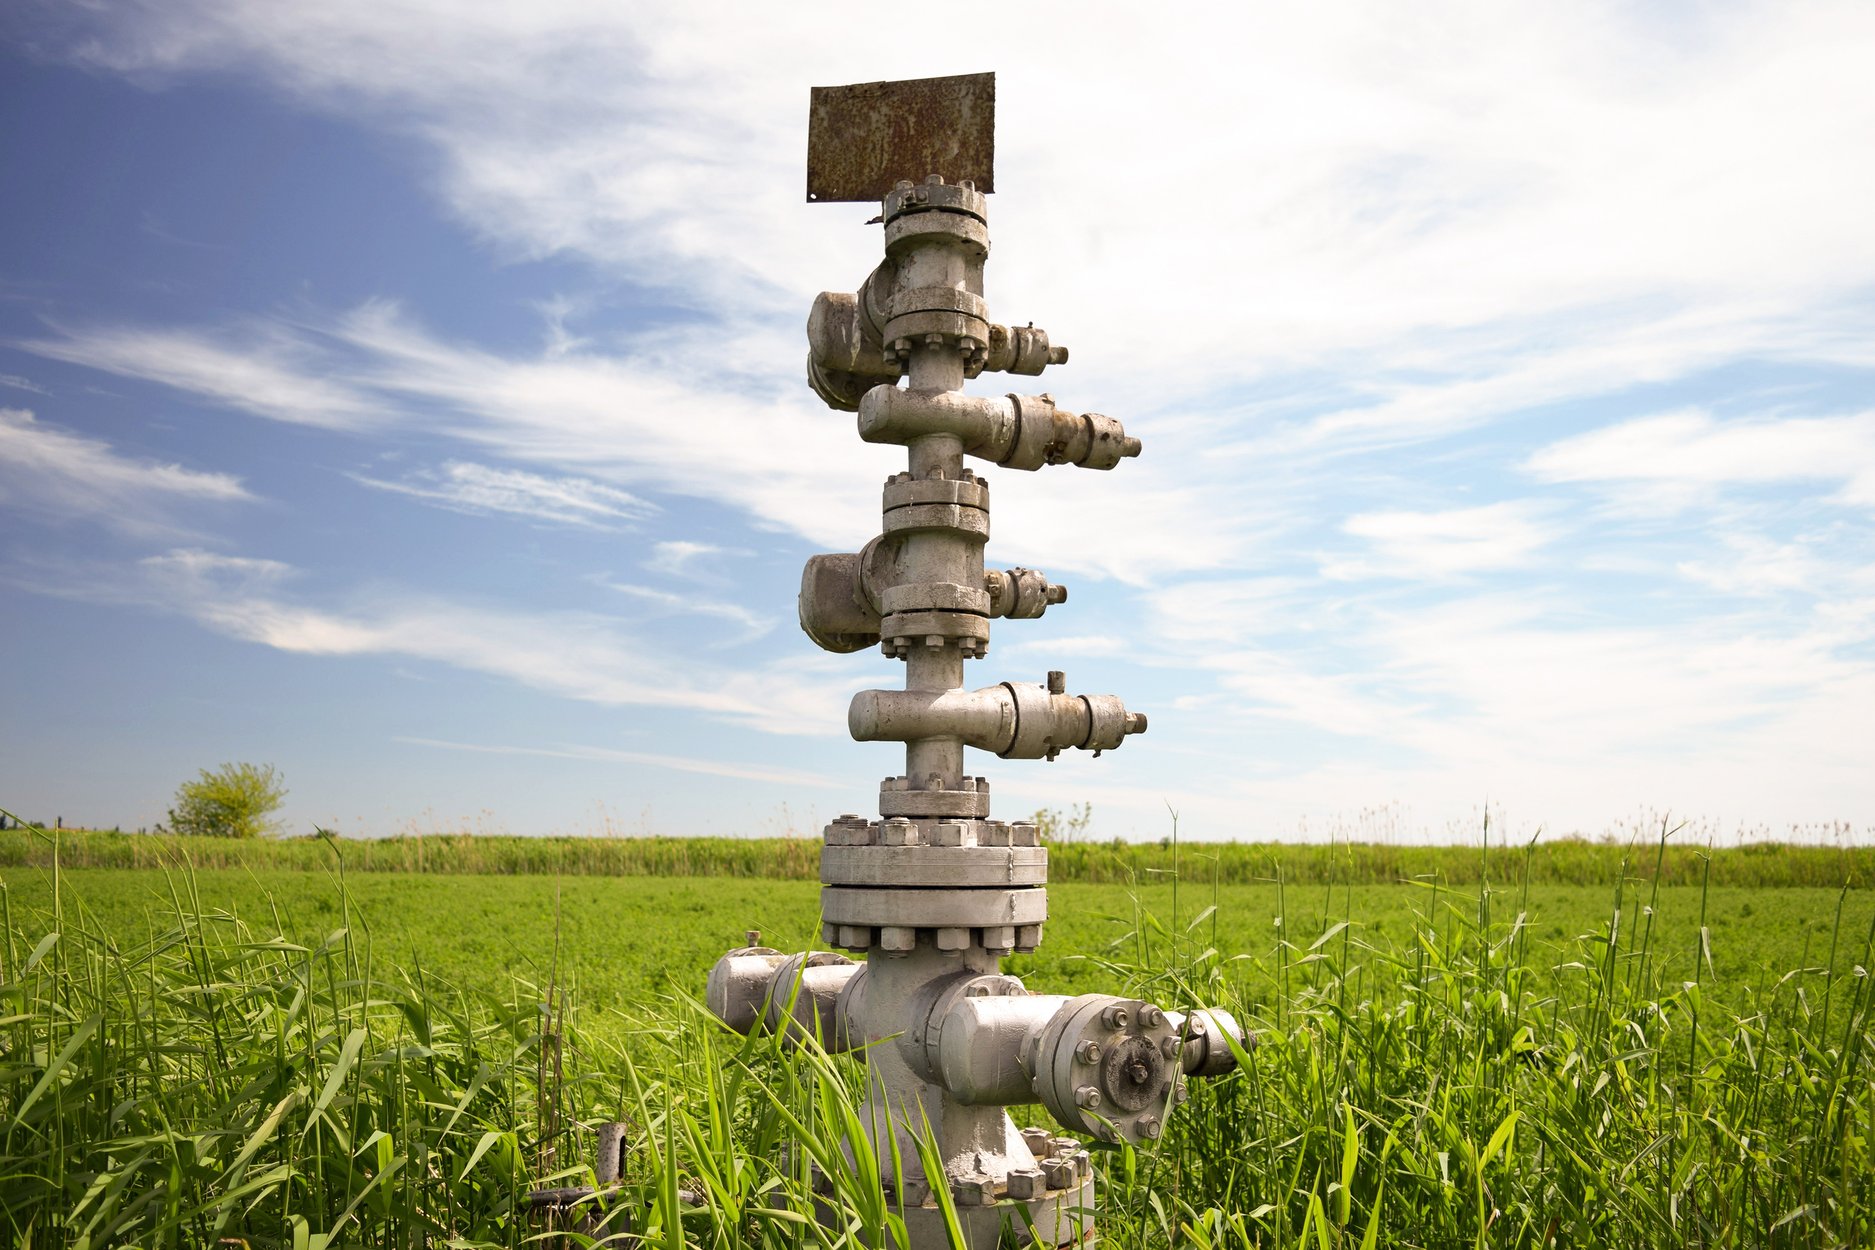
(233, 801)
(1063, 827)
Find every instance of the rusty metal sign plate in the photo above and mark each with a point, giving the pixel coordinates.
(863, 138)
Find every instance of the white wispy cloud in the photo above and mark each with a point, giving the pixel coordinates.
(1753, 565)
(1745, 715)
(261, 367)
(612, 755)
(1101, 645)
(52, 474)
(1445, 544)
(671, 603)
(1688, 454)
(577, 655)
(677, 557)
(464, 487)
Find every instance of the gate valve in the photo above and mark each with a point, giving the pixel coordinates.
(1021, 594)
(846, 346)
(1016, 719)
(844, 597)
(1015, 431)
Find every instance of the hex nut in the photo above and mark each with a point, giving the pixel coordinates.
(1038, 1142)
(1116, 1017)
(1060, 1173)
(1027, 1183)
(1088, 1051)
(1151, 1016)
(950, 833)
(898, 832)
(953, 939)
(999, 938)
(1170, 1048)
(1087, 1096)
(897, 940)
(1150, 1126)
(973, 1190)
(1063, 1147)
(1083, 1164)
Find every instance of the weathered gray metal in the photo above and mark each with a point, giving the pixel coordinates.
(935, 892)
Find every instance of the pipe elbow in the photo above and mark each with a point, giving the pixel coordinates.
(757, 989)
(985, 719)
(1204, 1049)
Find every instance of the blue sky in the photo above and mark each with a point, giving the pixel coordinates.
(409, 395)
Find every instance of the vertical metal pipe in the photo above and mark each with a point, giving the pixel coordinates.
(939, 368)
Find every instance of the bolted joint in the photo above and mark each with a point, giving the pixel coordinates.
(1046, 434)
(1204, 1050)
(1019, 431)
(1021, 349)
(1016, 720)
(1021, 594)
(1100, 1067)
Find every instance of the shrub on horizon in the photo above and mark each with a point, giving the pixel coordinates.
(232, 801)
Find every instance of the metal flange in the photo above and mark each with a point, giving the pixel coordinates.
(939, 866)
(933, 908)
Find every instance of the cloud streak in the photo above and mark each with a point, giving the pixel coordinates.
(584, 656)
(51, 474)
(1691, 451)
(479, 489)
(610, 755)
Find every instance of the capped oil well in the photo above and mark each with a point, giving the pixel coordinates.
(934, 892)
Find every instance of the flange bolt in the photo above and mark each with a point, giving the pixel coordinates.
(1087, 1096)
(1116, 1017)
(1087, 1052)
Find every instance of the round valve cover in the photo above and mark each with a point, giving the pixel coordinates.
(1101, 1067)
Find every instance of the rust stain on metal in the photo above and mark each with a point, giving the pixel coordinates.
(863, 138)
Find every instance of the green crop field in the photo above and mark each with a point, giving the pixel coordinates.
(275, 1056)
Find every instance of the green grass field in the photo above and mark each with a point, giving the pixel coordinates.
(619, 938)
(273, 1056)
